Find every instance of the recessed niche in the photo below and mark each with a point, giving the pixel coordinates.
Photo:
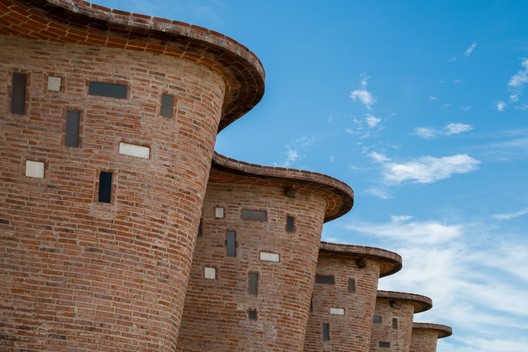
(269, 257)
(54, 84)
(210, 273)
(34, 169)
(134, 150)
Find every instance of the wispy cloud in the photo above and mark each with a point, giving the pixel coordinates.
(293, 151)
(372, 121)
(378, 192)
(364, 127)
(363, 95)
(521, 77)
(500, 106)
(428, 169)
(448, 130)
(509, 216)
(470, 49)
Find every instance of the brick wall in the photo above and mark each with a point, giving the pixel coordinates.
(216, 315)
(81, 274)
(347, 304)
(425, 336)
(393, 320)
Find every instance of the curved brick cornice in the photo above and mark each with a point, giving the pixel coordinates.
(441, 330)
(339, 196)
(81, 22)
(390, 262)
(421, 303)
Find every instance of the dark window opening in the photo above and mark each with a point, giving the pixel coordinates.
(290, 224)
(384, 344)
(252, 314)
(18, 93)
(167, 105)
(200, 228)
(351, 288)
(326, 332)
(105, 187)
(253, 280)
(231, 243)
(394, 323)
(311, 304)
(376, 319)
(73, 120)
(324, 279)
(103, 89)
(258, 215)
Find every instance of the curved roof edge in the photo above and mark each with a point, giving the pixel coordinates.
(442, 330)
(81, 22)
(390, 262)
(338, 195)
(421, 303)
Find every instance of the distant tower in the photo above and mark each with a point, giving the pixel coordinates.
(426, 335)
(393, 320)
(344, 296)
(108, 122)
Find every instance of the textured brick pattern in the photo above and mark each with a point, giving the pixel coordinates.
(351, 331)
(216, 311)
(396, 310)
(426, 335)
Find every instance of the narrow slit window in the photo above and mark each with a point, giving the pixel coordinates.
(253, 280)
(258, 215)
(231, 243)
(200, 228)
(73, 120)
(351, 288)
(394, 323)
(290, 224)
(104, 89)
(105, 187)
(18, 94)
(252, 314)
(324, 279)
(167, 105)
(326, 332)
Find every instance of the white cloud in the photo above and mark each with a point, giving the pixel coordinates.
(509, 216)
(500, 106)
(363, 95)
(293, 151)
(428, 169)
(470, 49)
(521, 77)
(378, 192)
(372, 121)
(379, 157)
(425, 132)
(456, 128)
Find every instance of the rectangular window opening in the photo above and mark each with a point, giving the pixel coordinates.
(394, 323)
(290, 224)
(351, 288)
(73, 121)
(253, 280)
(18, 94)
(167, 105)
(376, 319)
(258, 215)
(252, 314)
(326, 332)
(324, 279)
(231, 243)
(104, 89)
(105, 187)
(385, 344)
(200, 228)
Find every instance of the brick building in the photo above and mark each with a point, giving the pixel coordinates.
(122, 230)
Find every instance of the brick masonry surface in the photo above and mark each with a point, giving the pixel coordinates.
(426, 335)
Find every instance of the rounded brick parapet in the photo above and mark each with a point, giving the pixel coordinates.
(390, 262)
(420, 303)
(441, 330)
(81, 22)
(338, 195)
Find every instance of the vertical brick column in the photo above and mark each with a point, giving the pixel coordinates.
(426, 335)
(247, 238)
(79, 271)
(345, 296)
(393, 320)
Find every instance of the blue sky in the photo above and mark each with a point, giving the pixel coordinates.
(420, 106)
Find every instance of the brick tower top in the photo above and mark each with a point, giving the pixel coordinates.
(421, 303)
(442, 330)
(81, 22)
(390, 262)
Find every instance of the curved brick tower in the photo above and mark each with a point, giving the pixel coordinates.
(256, 255)
(426, 335)
(107, 126)
(393, 320)
(344, 296)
